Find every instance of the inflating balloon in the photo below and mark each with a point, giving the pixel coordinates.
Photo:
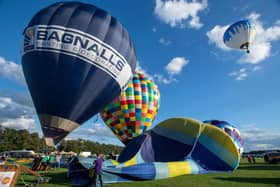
(134, 110)
(76, 59)
(231, 130)
(174, 147)
(240, 35)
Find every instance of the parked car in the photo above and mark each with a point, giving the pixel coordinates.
(272, 157)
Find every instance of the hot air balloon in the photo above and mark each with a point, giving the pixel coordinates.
(240, 35)
(174, 147)
(231, 130)
(76, 59)
(134, 110)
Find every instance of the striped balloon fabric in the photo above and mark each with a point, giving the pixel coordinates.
(176, 146)
(231, 130)
(134, 110)
(178, 139)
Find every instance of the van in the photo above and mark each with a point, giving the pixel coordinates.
(272, 157)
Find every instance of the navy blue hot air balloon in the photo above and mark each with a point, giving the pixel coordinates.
(76, 59)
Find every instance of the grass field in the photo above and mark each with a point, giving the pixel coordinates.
(255, 175)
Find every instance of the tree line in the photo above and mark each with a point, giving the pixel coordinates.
(11, 139)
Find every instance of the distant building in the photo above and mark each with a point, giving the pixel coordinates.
(85, 153)
(20, 153)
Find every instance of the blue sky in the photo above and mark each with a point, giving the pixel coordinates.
(179, 44)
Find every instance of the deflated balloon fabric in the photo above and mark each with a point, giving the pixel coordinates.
(231, 130)
(177, 146)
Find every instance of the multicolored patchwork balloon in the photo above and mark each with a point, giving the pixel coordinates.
(134, 110)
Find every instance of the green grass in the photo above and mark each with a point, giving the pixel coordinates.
(255, 175)
(57, 177)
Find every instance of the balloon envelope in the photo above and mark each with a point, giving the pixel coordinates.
(240, 35)
(134, 110)
(231, 130)
(76, 59)
(174, 147)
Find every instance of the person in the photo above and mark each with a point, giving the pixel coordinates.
(249, 158)
(35, 165)
(253, 159)
(3, 160)
(266, 158)
(52, 161)
(97, 165)
(58, 158)
(45, 162)
(112, 155)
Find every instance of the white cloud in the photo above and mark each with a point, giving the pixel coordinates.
(262, 146)
(239, 75)
(16, 115)
(176, 12)
(258, 134)
(176, 65)
(158, 77)
(154, 29)
(260, 139)
(259, 51)
(164, 41)
(141, 69)
(216, 36)
(11, 109)
(96, 129)
(242, 73)
(11, 71)
(173, 68)
(261, 46)
(17, 112)
(165, 80)
(21, 98)
(20, 123)
(96, 132)
(256, 68)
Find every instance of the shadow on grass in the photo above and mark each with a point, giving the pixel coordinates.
(251, 180)
(58, 178)
(259, 167)
(54, 178)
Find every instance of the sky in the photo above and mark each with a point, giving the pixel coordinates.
(179, 45)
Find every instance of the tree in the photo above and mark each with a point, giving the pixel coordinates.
(12, 139)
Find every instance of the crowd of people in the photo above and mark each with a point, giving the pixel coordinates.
(45, 162)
